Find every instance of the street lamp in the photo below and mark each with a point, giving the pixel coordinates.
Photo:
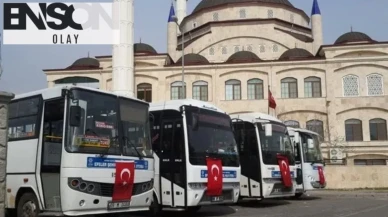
(175, 19)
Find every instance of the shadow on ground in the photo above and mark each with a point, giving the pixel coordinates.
(304, 198)
(266, 203)
(205, 211)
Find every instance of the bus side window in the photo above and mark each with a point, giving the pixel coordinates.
(179, 140)
(155, 138)
(167, 133)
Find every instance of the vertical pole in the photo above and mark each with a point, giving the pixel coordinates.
(183, 64)
(268, 99)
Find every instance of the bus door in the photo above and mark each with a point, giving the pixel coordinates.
(297, 140)
(51, 153)
(250, 185)
(172, 163)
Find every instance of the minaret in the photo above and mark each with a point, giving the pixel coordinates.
(181, 6)
(123, 76)
(172, 41)
(316, 26)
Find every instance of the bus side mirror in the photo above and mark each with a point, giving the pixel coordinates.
(195, 123)
(75, 116)
(310, 143)
(268, 130)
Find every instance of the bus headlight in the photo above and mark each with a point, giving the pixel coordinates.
(90, 188)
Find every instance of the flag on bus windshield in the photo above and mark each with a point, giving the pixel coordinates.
(321, 175)
(214, 177)
(271, 100)
(285, 170)
(124, 179)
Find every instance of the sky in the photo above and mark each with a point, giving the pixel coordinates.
(23, 64)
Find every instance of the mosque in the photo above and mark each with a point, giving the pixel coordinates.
(236, 51)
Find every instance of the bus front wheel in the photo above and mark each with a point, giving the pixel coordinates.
(28, 205)
(193, 209)
(298, 195)
(155, 208)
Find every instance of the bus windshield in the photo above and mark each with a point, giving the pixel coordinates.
(278, 143)
(103, 131)
(212, 137)
(311, 154)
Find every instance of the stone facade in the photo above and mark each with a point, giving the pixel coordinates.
(4, 101)
(338, 86)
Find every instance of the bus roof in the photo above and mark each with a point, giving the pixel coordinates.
(254, 117)
(292, 130)
(176, 104)
(52, 92)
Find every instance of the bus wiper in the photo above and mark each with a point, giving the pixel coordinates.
(133, 146)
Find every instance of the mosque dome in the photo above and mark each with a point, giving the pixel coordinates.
(243, 57)
(204, 4)
(85, 63)
(353, 37)
(143, 49)
(193, 59)
(295, 53)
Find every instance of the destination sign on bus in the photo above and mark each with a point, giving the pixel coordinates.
(93, 141)
(227, 174)
(214, 120)
(98, 162)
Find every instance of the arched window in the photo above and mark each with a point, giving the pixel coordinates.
(176, 90)
(236, 49)
(262, 48)
(378, 129)
(242, 13)
(312, 87)
(375, 85)
(292, 123)
(275, 48)
(270, 13)
(316, 126)
(224, 50)
(289, 88)
(350, 85)
(211, 51)
(81, 81)
(215, 16)
(249, 48)
(144, 92)
(233, 90)
(353, 130)
(255, 89)
(200, 90)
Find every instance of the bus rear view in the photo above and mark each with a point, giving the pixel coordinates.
(196, 158)
(267, 158)
(309, 160)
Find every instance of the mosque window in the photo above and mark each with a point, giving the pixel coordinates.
(350, 85)
(316, 126)
(144, 92)
(275, 48)
(353, 130)
(270, 13)
(378, 129)
(233, 90)
(289, 87)
(242, 13)
(262, 48)
(255, 89)
(292, 123)
(292, 18)
(375, 85)
(200, 90)
(224, 50)
(211, 51)
(194, 24)
(176, 90)
(236, 49)
(249, 48)
(215, 16)
(312, 87)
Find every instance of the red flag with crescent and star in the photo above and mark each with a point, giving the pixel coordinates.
(285, 170)
(214, 177)
(124, 179)
(321, 175)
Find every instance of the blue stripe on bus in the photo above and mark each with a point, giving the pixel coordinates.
(227, 174)
(276, 174)
(98, 162)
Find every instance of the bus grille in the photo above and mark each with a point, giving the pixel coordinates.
(107, 188)
(226, 194)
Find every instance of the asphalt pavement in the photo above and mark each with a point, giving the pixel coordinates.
(316, 204)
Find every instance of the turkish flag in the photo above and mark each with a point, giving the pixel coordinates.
(271, 100)
(214, 177)
(124, 179)
(285, 170)
(321, 175)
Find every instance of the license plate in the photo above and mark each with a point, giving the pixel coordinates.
(217, 199)
(119, 204)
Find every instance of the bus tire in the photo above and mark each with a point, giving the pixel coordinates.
(298, 195)
(193, 209)
(28, 205)
(155, 208)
